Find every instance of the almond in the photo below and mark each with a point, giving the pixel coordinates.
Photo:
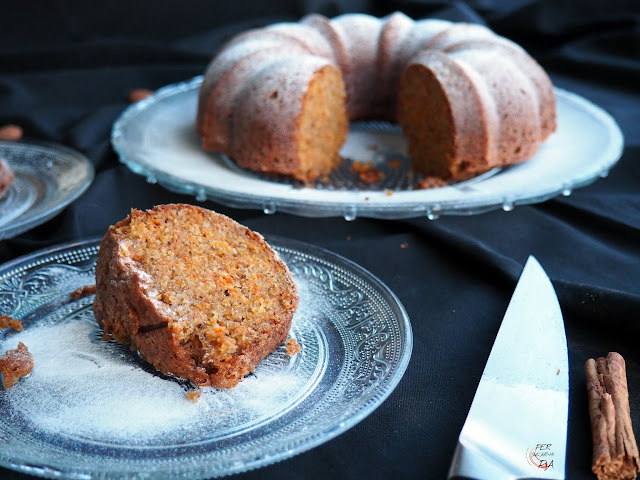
(138, 94)
(11, 132)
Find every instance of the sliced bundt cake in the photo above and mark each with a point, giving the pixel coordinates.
(278, 99)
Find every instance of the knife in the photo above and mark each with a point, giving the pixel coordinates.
(517, 424)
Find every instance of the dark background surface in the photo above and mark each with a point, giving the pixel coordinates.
(66, 68)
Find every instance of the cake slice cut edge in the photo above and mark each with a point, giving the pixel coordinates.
(198, 295)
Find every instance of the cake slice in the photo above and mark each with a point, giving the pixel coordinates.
(200, 296)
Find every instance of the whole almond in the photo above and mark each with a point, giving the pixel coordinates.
(138, 94)
(11, 132)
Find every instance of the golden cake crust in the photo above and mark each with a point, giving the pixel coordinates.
(15, 364)
(255, 94)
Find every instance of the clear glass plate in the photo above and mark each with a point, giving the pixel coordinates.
(47, 178)
(92, 408)
(156, 138)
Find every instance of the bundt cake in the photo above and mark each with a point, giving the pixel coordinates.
(6, 177)
(279, 99)
(200, 296)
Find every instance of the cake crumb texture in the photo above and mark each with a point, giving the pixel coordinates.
(15, 364)
(200, 296)
(194, 395)
(293, 347)
(83, 291)
(8, 322)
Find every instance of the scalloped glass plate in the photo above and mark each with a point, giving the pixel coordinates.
(92, 408)
(48, 177)
(155, 138)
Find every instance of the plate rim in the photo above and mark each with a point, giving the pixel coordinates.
(18, 225)
(432, 209)
(288, 449)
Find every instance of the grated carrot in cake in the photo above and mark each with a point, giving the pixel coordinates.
(200, 296)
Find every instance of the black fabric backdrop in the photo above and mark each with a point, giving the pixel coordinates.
(66, 67)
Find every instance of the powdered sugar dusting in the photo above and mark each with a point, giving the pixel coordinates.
(85, 388)
(94, 408)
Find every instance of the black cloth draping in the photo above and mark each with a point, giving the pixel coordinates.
(67, 66)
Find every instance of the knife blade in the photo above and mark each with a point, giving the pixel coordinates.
(516, 427)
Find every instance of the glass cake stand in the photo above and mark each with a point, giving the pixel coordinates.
(155, 138)
(48, 177)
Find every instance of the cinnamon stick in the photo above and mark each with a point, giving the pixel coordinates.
(615, 452)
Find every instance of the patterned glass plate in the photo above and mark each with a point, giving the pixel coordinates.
(48, 177)
(156, 138)
(93, 408)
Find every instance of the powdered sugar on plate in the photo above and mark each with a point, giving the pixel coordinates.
(94, 408)
(86, 388)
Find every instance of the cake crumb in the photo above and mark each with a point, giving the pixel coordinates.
(83, 291)
(138, 94)
(397, 163)
(15, 364)
(7, 322)
(430, 182)
(293, 347)
(194, 395)
(236, 297)
(367, 172)
(404, 245)
(388, 192)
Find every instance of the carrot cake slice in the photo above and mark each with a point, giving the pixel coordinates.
(200, 296)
